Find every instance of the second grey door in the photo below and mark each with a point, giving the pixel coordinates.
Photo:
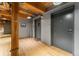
(38, 28)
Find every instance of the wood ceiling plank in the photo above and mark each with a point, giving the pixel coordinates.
(46, 3)
(21, 14)
(38, 5)
(31, 9)
(41, 5)
(24, 14)
(8, 17)
(4, 6)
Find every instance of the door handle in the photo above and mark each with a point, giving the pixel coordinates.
(70, 30)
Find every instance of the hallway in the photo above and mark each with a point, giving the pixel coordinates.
(31, 47)
(54, 24)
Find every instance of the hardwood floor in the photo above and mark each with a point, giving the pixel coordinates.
(5, 46)
(31, 47)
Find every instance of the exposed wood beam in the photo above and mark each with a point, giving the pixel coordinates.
(41, 5)
(38, 5)
(4, 12)
(24, 14)
(8, 17)
(21, 14)
(49, 5)
(7, 11)
(46, 3)
(14, 37)
(31, 9)
(5, 6)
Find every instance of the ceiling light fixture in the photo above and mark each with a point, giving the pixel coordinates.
(57, 3)
(4, 18)
(29, 17)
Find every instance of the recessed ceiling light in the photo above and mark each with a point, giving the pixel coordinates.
(57, 3)
(29, 17)
(4, 18)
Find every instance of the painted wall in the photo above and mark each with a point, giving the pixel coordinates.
(46, 28)
(26, 30)
(1, 28)
(76, 29)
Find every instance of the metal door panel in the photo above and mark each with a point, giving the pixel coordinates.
(62, 29)
(38, 28)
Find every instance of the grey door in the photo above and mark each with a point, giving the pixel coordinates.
(38, 28)
(63, 29)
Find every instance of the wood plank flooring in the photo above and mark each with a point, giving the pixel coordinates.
(31, 47)
(5, 46)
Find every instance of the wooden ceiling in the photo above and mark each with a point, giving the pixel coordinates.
(26, 9)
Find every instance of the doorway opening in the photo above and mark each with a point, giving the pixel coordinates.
(38, 28)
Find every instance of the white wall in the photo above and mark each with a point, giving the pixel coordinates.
(76, 29)
(46, 29)
(25, 31)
